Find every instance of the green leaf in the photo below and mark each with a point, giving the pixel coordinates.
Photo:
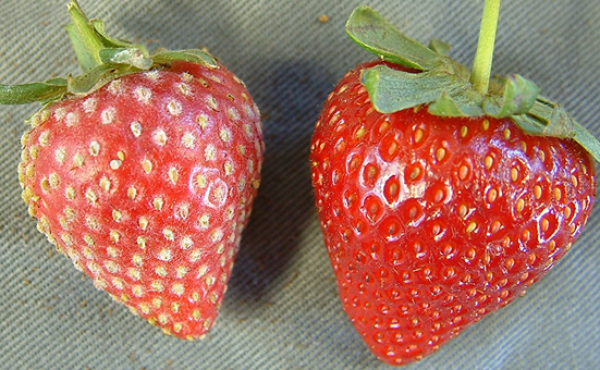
(375, 34)
(189, 55)
(392, 90)
(33, 92)
(130, 56)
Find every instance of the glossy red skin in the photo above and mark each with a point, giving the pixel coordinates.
(432, 223)
(165, 250)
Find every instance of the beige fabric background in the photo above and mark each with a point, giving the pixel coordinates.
(281, 310)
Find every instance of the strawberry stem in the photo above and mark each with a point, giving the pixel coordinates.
(482, 65)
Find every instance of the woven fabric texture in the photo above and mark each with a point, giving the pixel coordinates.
(282, 311)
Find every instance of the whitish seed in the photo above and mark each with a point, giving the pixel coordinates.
(131, 192)
(202, 270)
(141, 242)
(224, 135)
(210, 152)
(202, 121)
(186, 242)
(147, 166)
(195, 255)
(71, 119)
(187, 140)
(60, 155)
(91, 196)
(78, 160)
(105, 183)
(161, 271)
(233, 114)
(175, 107)
(211, 103)
(138, 260)
(165, 255)
(159, 137)
(173, 175)
(201, 181)
(178, 289)
(143, 223)
(89, 105)
(94, 148)
(168, 234)
(136, 129)
(115, 87)
(117, 215)
(143, 94)
(107, 116)
(44, 138)
(114, 236)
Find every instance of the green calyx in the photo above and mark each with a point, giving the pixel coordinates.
(450, 89)
(102, 59)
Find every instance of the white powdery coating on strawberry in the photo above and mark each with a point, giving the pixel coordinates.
(146, 185)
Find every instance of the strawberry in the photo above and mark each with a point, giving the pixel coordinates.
(440, 204)
(143, 172)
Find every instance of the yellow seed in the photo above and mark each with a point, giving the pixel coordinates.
(131, 192)
(545, 224)
(489, 161)
(520, 205)
(514, 174)
(471, 227)
(485, 124)
(463, 172)
(147, 166)
(557, 194)
(177, 327)
(361, 132)
(440, 154)
(419, 135)
(537, 191)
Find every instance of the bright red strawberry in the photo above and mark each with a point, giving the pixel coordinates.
(431, 221)
(147, 181)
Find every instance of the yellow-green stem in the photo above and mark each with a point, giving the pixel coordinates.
(482, 65)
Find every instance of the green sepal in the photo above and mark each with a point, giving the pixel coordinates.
(84, 38)
(92, 80)
(112, 42)
(102, 59)
(33, 92)
(133, 57)
(458, 105)
(392, 90)
(375, 34)
(190, 55)
(546, 118)
(445, 87)
(440, 46)
(518, 96)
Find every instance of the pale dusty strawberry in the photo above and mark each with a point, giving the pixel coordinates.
(146, 183)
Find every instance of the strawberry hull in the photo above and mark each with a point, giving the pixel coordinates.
(147, 184)
(431, 223)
